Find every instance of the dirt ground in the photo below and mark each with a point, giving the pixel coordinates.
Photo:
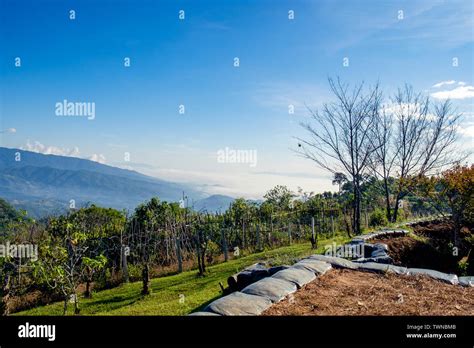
(349, 292)
(432, 253)
(409, 252)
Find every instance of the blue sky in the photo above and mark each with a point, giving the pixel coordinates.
(190, 62)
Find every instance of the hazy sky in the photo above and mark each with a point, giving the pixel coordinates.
(190, 62)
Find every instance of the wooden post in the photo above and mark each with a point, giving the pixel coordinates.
(19, 271)
(243, 234)
(124, 265)
(258, 237)
(178, 255)
(366, 218)
(323, 226)
(224, 245)
(271, 227)
(121, 254)
(313, 234)
(332, 225)
(289, 233)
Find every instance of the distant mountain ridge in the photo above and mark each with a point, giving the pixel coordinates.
(46, 184)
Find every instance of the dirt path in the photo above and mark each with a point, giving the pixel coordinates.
(348, 292)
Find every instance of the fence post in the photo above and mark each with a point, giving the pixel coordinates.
(243, 234)
(258, 237)
(322, 228)
(178, 255)
(313, 234)
(332, 226)
(366, 218)
(124, 264)
(289, 233)
(224, 245)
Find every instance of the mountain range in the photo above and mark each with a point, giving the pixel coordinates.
(47, 184)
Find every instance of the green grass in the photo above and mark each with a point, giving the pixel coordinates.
(165, 298)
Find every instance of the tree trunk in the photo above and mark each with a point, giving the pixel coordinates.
(65, 305)
(5, 295)
(395, 208)
(88, 293)
(387, 200)
(178, 255)
(356, 208)
(200, 254)
(146, 279)
(224, 246)
(76, 305)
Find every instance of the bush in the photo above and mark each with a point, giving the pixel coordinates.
(134, 272)
(402, 215)
(213, 250)
(378, 218)
(463, 267)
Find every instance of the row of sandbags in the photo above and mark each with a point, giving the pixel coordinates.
(258, 296)
(377, 252)
(257, 287)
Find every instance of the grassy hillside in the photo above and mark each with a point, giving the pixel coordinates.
(165, 299)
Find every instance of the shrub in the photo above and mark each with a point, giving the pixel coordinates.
(213, 250)
(402, 215)
(378, 218)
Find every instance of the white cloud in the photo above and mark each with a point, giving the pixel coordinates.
(467, 131)
(8, 130)
(407, 108)
(100, 158)
(443, 83)
(460, 92)
(38, 147)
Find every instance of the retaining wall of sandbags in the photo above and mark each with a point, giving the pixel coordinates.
(274, 284)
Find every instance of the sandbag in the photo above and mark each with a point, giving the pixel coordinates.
(239, 303)
(380, 259)
(247, 276)
(448, 278)
(316, 266)
(378, 253)
(374, 267)
(466, 281)
(204, 314)
(398, 269)
(295, 275)
(335, 261)
(382, 268)
(271, 288)
(275, 269)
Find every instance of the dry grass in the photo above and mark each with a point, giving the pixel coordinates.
(348, 292)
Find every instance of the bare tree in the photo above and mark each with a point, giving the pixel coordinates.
(383, 157)
(340, 136)
(412, 138)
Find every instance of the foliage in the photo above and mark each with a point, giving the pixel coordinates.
(127, 299)
(378, 218)
(457, 186)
